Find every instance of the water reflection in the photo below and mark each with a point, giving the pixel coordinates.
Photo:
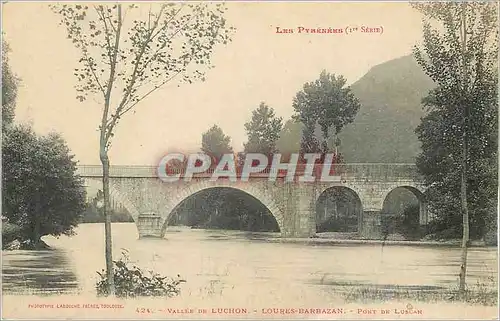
(253, 263)
(40, 272)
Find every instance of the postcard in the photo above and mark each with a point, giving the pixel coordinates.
(249, 160)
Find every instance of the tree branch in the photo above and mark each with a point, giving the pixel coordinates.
(106, 30)
(105, 133)
(89, 63)
(155, 88)
(116, 116)
(111, 23)
(168, 39)
(149, 17)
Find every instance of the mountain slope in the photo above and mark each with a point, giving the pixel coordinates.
(384, 128)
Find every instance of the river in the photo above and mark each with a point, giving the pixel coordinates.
(231, 264)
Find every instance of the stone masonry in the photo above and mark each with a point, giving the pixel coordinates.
(151, 201)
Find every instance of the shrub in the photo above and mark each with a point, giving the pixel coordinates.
(10, 232)
(407, 224)
(41, 191)
(339, 224)
(131, 281)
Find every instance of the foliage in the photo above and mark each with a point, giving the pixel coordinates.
(215, 143)
(328, 103)
(124, 61)
(9, 88)
(383, 131)
(410, 226)
(462, 61)
(407, 223)
(263, 131)
(41, 192)
(224, 208)
(93, 214)
(338, 224)
(309, 142)
(462, 106)
(401, 215)
(337, 210)
(390, 95)
(10, 232)
(480, 294)
(131, 281)
(290, 137)
(491, 234)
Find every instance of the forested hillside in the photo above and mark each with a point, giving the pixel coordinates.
(383, 130)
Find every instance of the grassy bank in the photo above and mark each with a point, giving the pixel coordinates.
(332, 241)
(478, 294)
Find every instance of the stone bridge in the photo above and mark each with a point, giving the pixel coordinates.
(151, 201)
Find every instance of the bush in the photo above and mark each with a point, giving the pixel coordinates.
(94, 214)
(410, 223)
(41, 191)
(491, 234)
(339, 224)
(10, 232)
(131, 281)
(406, 224)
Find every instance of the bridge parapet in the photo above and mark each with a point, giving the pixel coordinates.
(117, 171)
(378, 171)
(373, 171)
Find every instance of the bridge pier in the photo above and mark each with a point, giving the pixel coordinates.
(300, 213)
(423, 213)
(370, 227)
(139, 190)
(150, 225)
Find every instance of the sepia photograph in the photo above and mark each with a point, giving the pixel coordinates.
(250, 160)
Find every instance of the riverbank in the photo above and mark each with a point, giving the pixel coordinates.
(328, 241)
(338, 238)
(319, 241)
(234, 269)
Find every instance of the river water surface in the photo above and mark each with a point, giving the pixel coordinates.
(219, 263)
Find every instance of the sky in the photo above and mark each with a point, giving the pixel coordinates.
(258, 65)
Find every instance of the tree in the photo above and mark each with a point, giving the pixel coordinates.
(460, 54)
(290, 137)
(124, 61)
(9, 88)
(263, 131)
(309, 142)
(328, 103)
(41, 191)
(93, 211)
(215, 143)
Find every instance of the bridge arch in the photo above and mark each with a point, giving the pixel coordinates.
(355, 196)
(418, 192)
(351, 187)
(197, 187)
(92, 186)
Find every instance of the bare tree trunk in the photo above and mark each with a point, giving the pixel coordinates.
(105, 134)
(107, 220)
(463, 179)
(465, 222)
